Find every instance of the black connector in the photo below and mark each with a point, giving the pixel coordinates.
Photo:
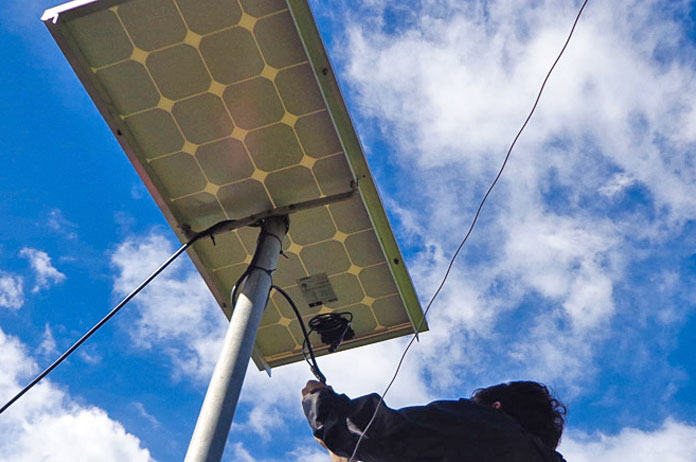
(333, 328)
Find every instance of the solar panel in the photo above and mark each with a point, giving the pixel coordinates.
(229, 109)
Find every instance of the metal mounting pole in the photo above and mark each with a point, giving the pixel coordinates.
(214, 421)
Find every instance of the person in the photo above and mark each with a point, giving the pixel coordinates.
(509, 422)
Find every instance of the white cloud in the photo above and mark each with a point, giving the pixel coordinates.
(563, 259)
(616, 184)
(178, 313)
(58, 222)
(452, 89)
(48, 342)
(11, 291)
(140, 407)
(46, 273)
(138, 191)
(311, 452)
(673, 442)
(570, 266)
(241, 454)
(90, 355)
(47, 425)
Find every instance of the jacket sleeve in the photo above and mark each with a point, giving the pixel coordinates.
(339, 421)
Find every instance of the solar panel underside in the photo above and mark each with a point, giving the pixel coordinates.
(228, 109)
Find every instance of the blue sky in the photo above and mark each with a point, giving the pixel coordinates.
(580, 273)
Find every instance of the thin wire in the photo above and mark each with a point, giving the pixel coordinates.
(471, 228)
(96, 327)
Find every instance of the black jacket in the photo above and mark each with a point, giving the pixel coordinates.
(442, 431)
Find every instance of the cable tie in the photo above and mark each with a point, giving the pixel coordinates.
(265, 270)
(266, 233)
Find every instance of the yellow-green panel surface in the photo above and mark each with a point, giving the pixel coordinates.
(229, 108)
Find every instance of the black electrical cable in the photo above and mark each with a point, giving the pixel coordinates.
(307, 342)
(471, 228)
(209, 232)
(235, 288)
(333, 328)
(96, 327)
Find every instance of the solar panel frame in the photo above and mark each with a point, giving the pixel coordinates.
(56, 20)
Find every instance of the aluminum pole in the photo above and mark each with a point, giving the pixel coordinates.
(214, 421)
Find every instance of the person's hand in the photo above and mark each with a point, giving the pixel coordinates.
(334, 457)
(312, 386)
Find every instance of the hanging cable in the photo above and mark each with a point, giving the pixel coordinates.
(96, 327)
(235, 288)
(333, 329)
(307, 343)
(471, 228)
(209, 232)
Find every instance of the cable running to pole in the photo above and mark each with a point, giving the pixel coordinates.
(211, 231)
(96, 327)
(471, 228)
(306, 344)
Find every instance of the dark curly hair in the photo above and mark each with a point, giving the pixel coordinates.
(531, 404)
